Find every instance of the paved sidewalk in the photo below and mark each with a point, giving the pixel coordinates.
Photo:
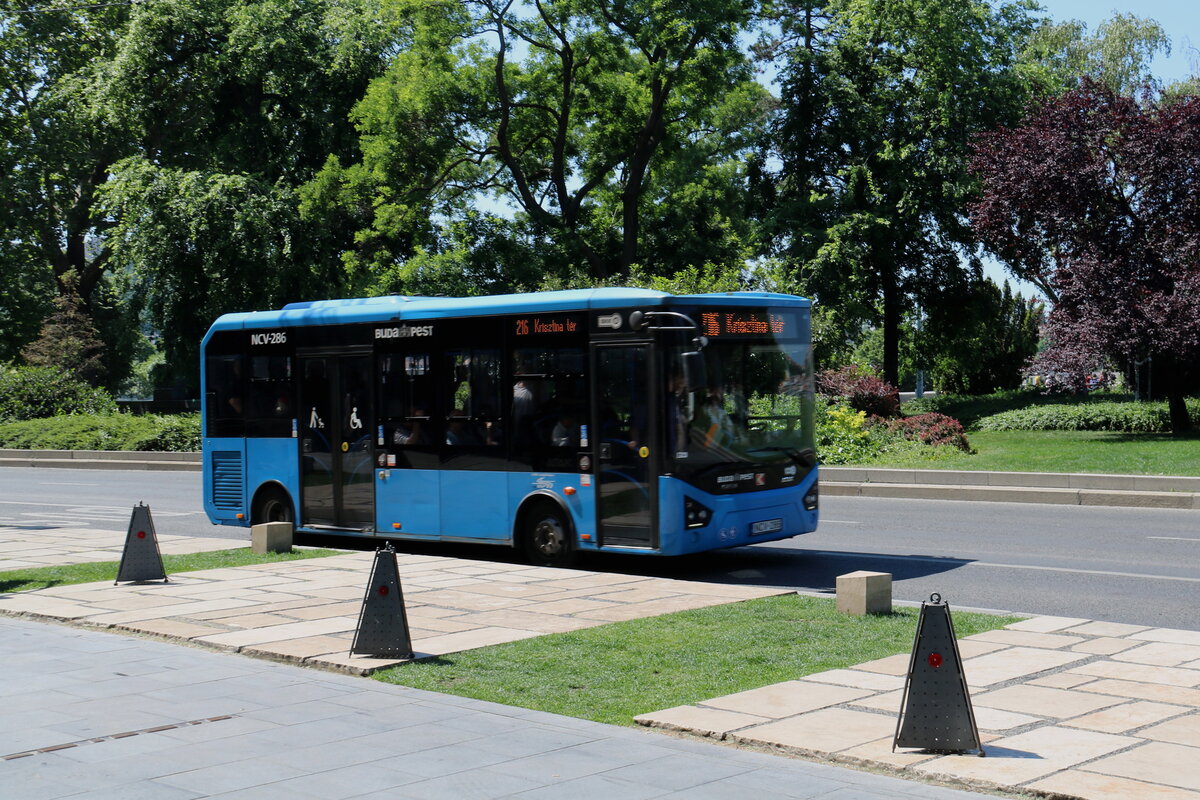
(88, 715)
(1066, 708)
(22, 547)
(307, 611)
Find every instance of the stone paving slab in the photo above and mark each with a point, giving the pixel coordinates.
(1059, 716)
(307, 611)
(52, 548)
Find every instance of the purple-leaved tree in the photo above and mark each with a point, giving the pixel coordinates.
(1095, 197)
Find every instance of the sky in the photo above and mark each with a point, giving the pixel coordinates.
(1179, 18)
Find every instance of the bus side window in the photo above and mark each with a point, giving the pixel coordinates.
(224, 393)
(473, 399)
(405, 411)
(269, 394)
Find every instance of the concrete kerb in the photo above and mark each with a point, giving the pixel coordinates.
(1133, 491)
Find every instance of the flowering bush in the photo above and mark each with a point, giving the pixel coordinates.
(932, 429)
(861, 389)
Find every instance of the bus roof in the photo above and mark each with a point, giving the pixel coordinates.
(397, 307)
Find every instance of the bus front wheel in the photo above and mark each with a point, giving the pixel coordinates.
(547, 539)
(272, 504)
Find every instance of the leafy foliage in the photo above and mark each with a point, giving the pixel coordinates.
(932, 429)
(861, 389)
(105, 431)
(982, 341)
(28, 393)
(1095, 194)
(1103, 416)
(612, 139)
(881, 99)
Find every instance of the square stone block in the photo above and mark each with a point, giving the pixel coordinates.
(864, 592)
(271, 537)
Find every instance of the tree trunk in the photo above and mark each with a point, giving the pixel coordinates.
(1180, 424)
(891, 322)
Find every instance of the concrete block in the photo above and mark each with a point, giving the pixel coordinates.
(271, 537)
(864, 592)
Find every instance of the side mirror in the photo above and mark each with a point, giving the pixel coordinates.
(695, 375)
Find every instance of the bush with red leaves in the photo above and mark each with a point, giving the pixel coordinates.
(931, 428)
(862, 389)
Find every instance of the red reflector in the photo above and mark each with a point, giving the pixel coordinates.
(935, 660)
(141, 534)
(383, 591)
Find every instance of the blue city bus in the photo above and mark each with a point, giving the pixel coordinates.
(614, 420)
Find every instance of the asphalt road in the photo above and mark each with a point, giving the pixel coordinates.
(1140, 566)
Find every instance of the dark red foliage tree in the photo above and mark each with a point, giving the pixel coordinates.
(1096, 197)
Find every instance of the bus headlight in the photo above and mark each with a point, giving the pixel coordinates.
(695, 515)
(810, 499)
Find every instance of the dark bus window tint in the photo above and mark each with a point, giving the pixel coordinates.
(270, 404)
(224, 400)
(473, 414)
(406, 383)
(549, 406)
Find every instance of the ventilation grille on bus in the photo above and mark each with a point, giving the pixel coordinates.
(227, 479)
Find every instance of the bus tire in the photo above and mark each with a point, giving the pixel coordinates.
(272, 504)
(547, 537)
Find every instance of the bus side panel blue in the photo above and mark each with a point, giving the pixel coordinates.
(409, 497)
(732, 516)
(475, 504)
(224, 479)
(581, 504)
(275, 460)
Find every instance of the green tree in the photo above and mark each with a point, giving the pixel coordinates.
(987, 345)
(601, 134)
(154, 150)
(57, 148)
(1117, 55)
(881, 98)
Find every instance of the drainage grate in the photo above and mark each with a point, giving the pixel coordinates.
(113, 737)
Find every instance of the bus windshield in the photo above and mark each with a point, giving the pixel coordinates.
(754, 407)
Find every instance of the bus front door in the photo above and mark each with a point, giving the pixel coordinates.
(337, 452)
(623, 447)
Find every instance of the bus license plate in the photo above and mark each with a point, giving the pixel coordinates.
(766, 526)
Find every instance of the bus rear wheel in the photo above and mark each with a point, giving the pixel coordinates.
(547, 538)
(272, 505)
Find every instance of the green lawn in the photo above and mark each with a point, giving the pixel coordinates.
(615, 672)
(24, 580)
(1070, 451)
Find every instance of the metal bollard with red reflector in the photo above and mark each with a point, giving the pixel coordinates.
(140, 560)
(383, 623)
(935, 712)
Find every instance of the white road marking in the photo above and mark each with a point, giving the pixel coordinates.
(63, 483)
(1173, 538)
(969, 563)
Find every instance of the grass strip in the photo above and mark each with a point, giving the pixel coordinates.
(615, 672)
(1069, 451)
(25, 580)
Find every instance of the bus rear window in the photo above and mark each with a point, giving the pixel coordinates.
(225, 392)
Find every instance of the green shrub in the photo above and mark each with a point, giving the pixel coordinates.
(1092, 416)
(842, 434)
(104, 432)
(39, 392)
(931, 429)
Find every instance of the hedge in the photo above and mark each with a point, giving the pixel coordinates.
(178, 433)
(1095, 416)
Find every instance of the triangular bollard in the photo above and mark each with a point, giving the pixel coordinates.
(383, 622)
(935, 712)
(140, 560)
